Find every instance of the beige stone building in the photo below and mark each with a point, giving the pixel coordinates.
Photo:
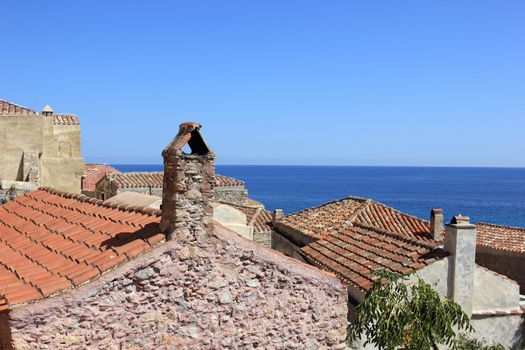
(42, 148)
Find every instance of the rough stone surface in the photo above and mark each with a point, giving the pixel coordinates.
(223, 292)
(231, 194)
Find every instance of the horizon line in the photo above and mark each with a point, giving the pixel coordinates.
(342, 165)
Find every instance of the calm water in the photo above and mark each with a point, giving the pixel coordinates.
(485, 194)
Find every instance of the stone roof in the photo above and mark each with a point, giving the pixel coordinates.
(318, 222)
(500, 237)
(354, 253)
(259, 218)
(12, 109)
(154, 179)
(52, 241)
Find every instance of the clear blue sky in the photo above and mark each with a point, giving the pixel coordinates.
(278, 82)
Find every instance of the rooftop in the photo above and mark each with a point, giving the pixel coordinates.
(500, 237)
(52, 241)
(13, 109)
(354, 253)
(9, 108)
(154, 179)
(221, 181)
(259, 218)
(318, 222)
(90, 168)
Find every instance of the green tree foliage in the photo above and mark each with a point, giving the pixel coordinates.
(463, 342)
(399, 314)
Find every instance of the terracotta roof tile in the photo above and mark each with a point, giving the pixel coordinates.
(90, 168)
(221, 181)
(319, 221)
(9, 108)
(500, 237)
(154, 179)
(93, 173)
(51, 241)
(354, 253)
(65, 119)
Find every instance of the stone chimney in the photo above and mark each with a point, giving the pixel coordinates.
(460, 243)
(47, 110)
(277, 214)
(436, 223)
(188, 185)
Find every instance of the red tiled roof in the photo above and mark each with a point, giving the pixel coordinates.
(500, 237)
(51, 241)
(9, 108)
(90, 168)
(65, 119)
(227, 181)
(93, 173)
(354, 253)
(154, 179)
(259, 218)
(320, 221)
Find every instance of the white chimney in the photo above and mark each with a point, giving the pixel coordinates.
(436, 223)
(460, 243)
(277, 214)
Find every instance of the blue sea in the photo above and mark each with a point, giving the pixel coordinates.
(485, 194)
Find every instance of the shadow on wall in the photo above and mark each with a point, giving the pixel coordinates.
(5, 331)
(519, 336)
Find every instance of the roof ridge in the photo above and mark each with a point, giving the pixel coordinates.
(99, 202)
(140, 172)
(60, 114)
(398, 211)
(482, 223)
(397, 236)
(19, 106)
(254, 217)
(331, 202)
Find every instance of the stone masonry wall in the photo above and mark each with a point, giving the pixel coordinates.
(231, 194)
(215, 291)
(264, 238)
